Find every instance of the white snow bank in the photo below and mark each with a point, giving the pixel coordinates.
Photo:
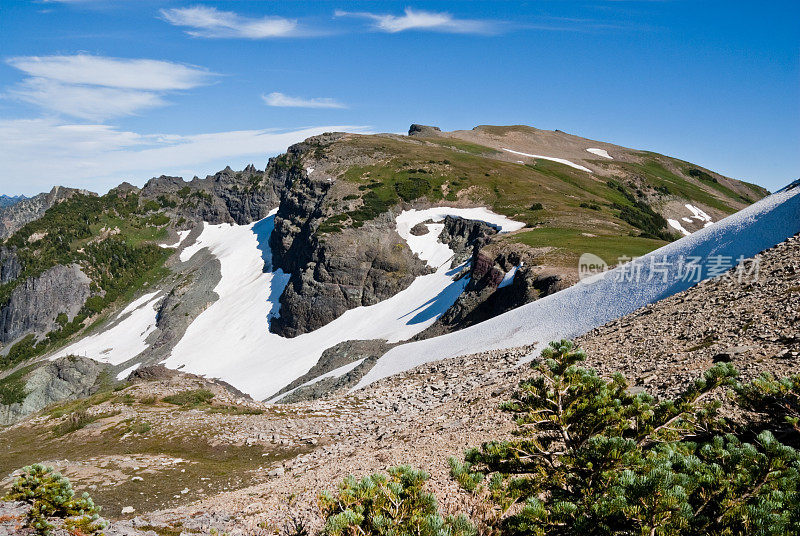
(607, 296)
(427, 247)
(124, 374)
(600, 152)
(230, 340)
(675, 224)
(125, 339)
(181, 237)
(559, 160)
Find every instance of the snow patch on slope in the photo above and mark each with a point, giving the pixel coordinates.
(335, 373)
(125, 373)
(600, 152)
(606, 296)
(230, 340)
(675, 224)
(427, 247)
(559, 160)
(125, 339)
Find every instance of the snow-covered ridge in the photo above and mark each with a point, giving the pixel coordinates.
(607, 296)
(600, 152)
(554, 159)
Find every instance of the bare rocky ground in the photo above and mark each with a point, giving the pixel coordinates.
(239, 467)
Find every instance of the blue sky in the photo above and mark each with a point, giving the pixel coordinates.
(93, 92)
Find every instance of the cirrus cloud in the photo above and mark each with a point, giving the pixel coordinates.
(97, 87)
(213, 23)
(424, 20)
(285, 101)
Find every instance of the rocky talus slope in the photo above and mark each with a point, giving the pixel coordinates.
(419, 417)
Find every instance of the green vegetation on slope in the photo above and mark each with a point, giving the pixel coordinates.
(110, 237)
(545, 195)
(589, 457)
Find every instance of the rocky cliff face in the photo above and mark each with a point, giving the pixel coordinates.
(337, 272)
(13, 217)
(34, 305)
(489, 293)
(63, 379)
(227, 197)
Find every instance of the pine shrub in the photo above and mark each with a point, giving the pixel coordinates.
(589, 457)
(393, 505)
(50, 495)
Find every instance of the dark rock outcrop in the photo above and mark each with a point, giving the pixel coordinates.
(424, 130)
(34, 305)
(10, 266)
(226, 197)
(465, 237)
(484, 298)
(338, 271)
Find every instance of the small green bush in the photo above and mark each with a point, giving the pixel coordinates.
(592, 458)
(51, 495)
(393, 505)
(190, 399)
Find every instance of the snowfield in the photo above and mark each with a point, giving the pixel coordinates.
(125, 339)
(427, 246)
(559, 160)
(600, 152)
(609, 295)
(230, 340)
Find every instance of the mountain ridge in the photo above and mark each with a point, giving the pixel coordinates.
(337, 197)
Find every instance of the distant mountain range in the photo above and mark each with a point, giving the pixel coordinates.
(7, 200)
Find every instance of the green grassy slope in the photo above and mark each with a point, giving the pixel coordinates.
(612, 213)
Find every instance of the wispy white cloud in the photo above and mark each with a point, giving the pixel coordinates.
(211, 22)
(37, 153)
(94, 103)
(96, 87)
(285, 101)
(153, 75)
(425, 20)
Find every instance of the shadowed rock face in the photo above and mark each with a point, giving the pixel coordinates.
(351, 268)
(35, 303)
